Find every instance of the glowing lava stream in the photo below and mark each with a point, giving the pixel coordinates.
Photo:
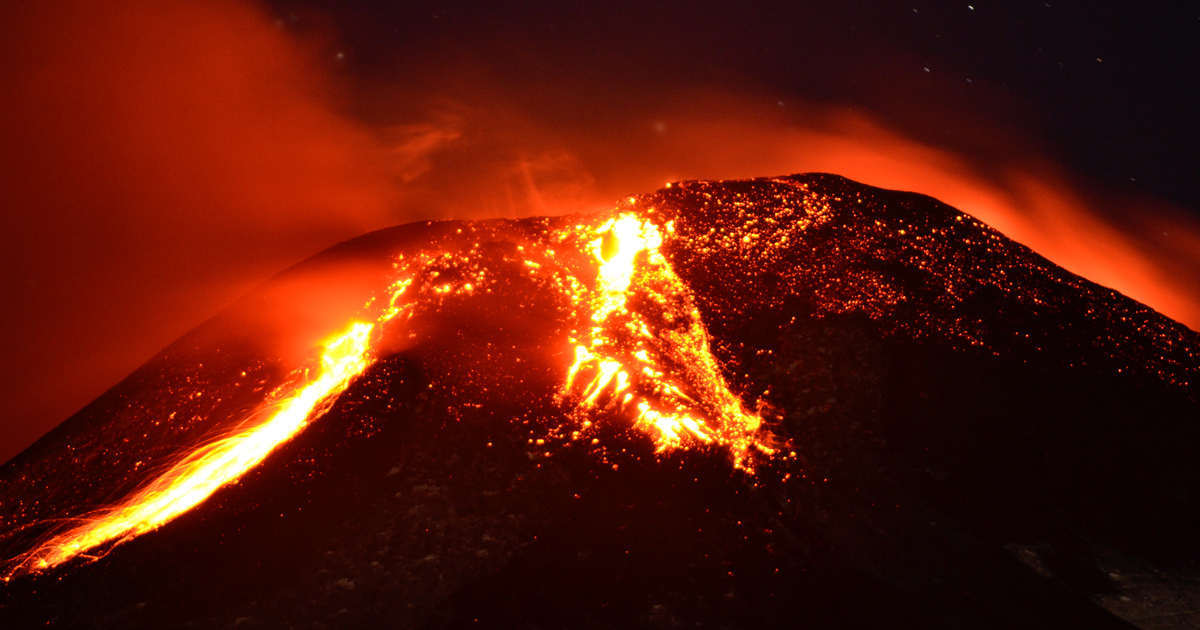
(639, 336)
(657, 357)
(202, 472)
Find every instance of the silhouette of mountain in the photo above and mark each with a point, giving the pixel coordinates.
(885, 414)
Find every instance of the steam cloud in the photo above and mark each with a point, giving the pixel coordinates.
(163, 157)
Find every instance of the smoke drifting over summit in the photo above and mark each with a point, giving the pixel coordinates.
(160, 158)
(163, 157)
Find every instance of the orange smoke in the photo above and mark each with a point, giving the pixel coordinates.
(161, 157)
(513, 163)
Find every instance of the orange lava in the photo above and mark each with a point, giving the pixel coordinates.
(655, 361)
(203, 471)
(641, 351)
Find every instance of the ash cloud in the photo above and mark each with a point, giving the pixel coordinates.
(163, 157)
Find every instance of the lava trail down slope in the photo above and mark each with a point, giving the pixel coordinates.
(780, 402)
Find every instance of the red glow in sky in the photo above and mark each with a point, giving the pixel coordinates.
(163, 157)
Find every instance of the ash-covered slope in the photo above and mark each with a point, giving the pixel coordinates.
(980, 438)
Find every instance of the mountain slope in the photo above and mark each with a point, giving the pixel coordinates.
(911, 421)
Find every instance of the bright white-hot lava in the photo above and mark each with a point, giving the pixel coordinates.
(655, 359)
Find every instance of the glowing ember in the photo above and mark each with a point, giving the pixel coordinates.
(202, 472)
(655, 358)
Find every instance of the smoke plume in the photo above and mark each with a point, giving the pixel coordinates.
(162, 157)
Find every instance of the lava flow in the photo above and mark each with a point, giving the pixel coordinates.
(212, 466)
(637, 333)
(584, 418)
(655, 357)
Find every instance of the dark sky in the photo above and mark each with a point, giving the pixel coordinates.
(162, 157)
(1112, 88)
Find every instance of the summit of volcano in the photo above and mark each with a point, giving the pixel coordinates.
(779, 402)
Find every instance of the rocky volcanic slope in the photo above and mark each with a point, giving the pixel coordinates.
(981, 440)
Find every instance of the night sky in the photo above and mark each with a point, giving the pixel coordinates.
(161, 158)
(1108, 88)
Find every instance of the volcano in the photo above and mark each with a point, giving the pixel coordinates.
(780, 402)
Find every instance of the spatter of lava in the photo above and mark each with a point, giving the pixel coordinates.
(639, 347)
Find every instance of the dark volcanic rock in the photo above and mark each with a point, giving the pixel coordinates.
(982, 440)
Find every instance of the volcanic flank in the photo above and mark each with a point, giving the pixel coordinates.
(786, 402)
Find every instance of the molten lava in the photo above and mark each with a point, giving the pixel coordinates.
(638, 336)
(211, 466)
(585, 415)
(611, 304)
(655, 357)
